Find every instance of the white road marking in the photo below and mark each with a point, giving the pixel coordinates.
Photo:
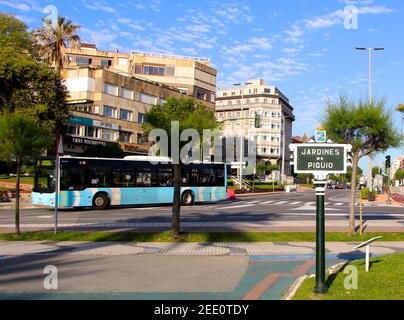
(252, 202)
(236, 207)
(282, 202)
(339, 204)
(45, 217)
(268, 202)
(297, 202)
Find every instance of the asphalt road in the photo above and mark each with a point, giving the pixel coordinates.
(253, 210)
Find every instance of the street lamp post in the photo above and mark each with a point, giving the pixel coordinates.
(370, 175)
(242, 135)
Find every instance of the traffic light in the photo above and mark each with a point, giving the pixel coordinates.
(257, 121)
(349, 158)
(388, 162)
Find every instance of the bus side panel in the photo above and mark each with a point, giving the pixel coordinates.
(207, 194)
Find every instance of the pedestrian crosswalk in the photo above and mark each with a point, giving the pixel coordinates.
(295, 204)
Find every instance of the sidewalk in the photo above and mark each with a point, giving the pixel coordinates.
(23, 205)
(165, 271)
(190, 249)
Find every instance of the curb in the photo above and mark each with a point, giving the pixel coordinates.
(298, 283)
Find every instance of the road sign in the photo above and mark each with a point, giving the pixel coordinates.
(321, 136)
(320, 159)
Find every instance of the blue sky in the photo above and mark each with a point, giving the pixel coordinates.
(301, 46)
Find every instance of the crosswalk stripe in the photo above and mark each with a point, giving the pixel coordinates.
(267, 202)
(297, 202)
(282, 202)
(339, 204)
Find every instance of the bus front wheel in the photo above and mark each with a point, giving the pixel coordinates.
(187, 199)
(100, 201)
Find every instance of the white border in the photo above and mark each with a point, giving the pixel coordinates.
(347, 148)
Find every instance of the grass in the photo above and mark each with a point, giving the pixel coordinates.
(385, 281)
(194, 237)
(23, 179)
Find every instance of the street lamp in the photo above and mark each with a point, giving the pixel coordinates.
(283, 146)
(242, 134)
(370, 175)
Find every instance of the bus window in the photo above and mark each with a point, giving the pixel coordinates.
(44, 179)
(207, 177)
(123, 178)
(72, 179)
(146, 177)
(190, 178)
(165, 177)
(99, 177)
(219, 172)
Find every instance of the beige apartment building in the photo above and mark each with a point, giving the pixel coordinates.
(109, 108)
(192, 76)
(237, 108)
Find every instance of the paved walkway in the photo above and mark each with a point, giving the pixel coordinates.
(189, 249)
(164, 271)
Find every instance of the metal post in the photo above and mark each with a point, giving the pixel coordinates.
(57, 192)
(283, 148)
(321, 287)
(370, 165)
(367, 257)
(388, 186)
(242, 142)
(361, 216)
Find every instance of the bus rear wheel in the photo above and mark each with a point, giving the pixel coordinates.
(100, 201)
(187, 199)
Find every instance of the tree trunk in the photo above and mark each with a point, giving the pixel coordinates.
(17, 198)
(176, 201)
(355, 160)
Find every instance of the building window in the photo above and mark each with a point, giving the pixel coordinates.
(125, 115)
(125, 137)
(85, 107)
(138, 69)
(147, 98)
(162, 101)
(127, 94)
(91, 132)
(106, 63)
(154, 70)
(170, 71)
(110, 89)
(201, 95)
(83, 61)
(107, 135)
(73, 129)
(140, 117)
(122, 61)
(109, 112)
(212, 97)
(267, 90)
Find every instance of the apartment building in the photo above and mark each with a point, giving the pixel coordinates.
(396, 164)
(108, 108)
(237, 108)
(192, 76)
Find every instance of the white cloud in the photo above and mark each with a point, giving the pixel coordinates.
(101, 7)
(251, 45)
(18, 6)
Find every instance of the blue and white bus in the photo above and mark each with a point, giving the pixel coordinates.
(101, 183)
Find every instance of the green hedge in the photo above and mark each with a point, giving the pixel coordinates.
(365, 193)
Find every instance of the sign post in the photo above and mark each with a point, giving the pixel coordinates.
(320, 235)
(59, 152)
(320, 158)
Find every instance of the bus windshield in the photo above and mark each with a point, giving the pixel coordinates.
(44, 177)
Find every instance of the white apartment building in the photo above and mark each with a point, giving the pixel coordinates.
(237, 107)
(395, 165)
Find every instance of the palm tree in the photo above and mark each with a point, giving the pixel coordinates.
(53, 39)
